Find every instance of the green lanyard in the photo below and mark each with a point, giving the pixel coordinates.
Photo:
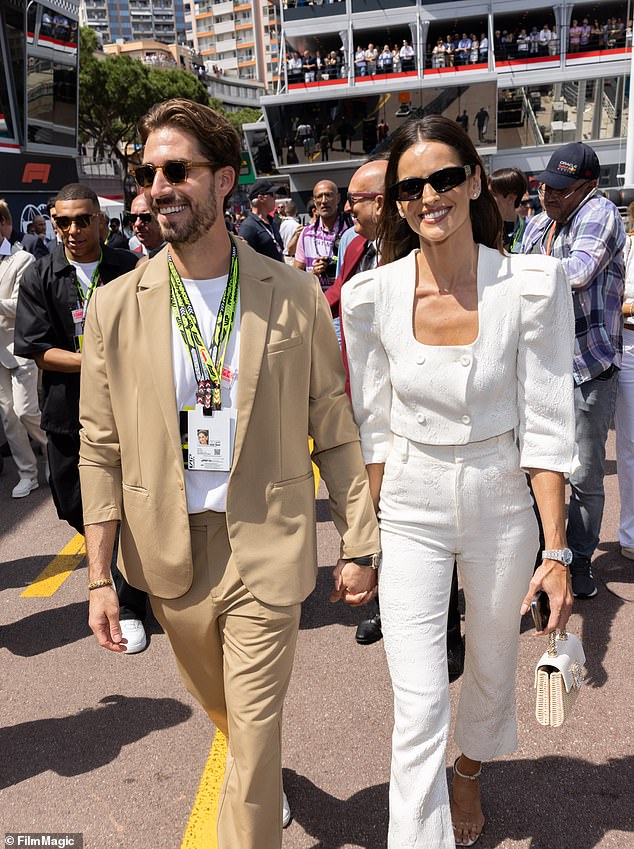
(207, 364)
(95, 281)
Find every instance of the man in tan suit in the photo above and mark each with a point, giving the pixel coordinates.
(208, 335)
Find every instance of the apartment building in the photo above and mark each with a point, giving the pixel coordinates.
(237, 38)
(135, 20)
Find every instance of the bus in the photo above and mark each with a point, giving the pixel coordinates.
(39, 98)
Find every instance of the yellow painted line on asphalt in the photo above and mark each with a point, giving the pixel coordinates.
(311, 445)
(201, 829)
(61, 566)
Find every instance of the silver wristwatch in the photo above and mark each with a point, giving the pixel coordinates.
(563, 555)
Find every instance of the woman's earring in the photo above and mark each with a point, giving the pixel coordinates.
(476, 193)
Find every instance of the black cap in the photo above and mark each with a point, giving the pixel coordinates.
(262, 187)
(572, 162)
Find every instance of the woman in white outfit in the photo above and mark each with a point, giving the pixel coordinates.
(624, 415)
(461, 381)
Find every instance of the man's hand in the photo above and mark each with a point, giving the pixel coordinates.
(103, 618)
(354, 584)
(320, 265)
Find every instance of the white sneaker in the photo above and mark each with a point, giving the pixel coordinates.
(134, 632)
(287, 816)
(23, 487)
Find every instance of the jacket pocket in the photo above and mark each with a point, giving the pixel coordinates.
(284, 344)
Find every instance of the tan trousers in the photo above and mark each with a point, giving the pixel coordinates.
(235, 656)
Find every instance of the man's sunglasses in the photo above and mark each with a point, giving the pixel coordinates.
(357, 197)
(143, 217)
(441, 181)
(175, 171)
(64, 222)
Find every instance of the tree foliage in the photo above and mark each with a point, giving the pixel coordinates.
(114, 92)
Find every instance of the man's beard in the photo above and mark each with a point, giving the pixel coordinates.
(200, 221)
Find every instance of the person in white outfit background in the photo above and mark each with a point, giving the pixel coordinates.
(624, 413)
(19, 407)
(459, 362)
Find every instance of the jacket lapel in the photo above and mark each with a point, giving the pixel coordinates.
(156, 323)
(256, 294)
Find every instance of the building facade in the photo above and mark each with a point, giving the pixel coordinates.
(237, 38)
(135, 20)
(521, 80)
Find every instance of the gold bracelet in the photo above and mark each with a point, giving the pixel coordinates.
(95, 585)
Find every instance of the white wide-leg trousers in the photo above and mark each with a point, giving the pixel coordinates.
(468, 503)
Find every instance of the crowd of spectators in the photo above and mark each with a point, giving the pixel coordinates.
(310, 67)
(455, 50)
(369, 60)
(458, 49)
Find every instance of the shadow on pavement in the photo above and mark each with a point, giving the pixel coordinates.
(523, 800)
(318, 612)
(599, 613)
(16, 510)
(20, 573)
(45, 630)
(54, 627)
(360, 820)
(85, 741)
(535, 800)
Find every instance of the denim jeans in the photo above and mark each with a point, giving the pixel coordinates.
(594, 410)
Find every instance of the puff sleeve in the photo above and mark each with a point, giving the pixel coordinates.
(370, 385)
(545, 389)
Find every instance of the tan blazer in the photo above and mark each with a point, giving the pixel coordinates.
(290, 384)
(11, 270)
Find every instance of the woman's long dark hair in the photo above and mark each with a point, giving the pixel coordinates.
(395, 236)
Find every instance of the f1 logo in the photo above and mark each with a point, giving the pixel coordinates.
(36, 172)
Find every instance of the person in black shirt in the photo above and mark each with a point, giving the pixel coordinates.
(258, 228)
(54, 294)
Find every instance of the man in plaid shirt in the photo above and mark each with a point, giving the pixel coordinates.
(585, 232)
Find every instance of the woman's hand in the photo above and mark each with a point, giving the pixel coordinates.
(554, 578)
(354, 584)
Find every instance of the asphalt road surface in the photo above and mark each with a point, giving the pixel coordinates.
(113, 748)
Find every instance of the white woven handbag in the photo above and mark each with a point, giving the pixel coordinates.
(558, 678)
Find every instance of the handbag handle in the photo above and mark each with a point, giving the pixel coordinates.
(560, 634)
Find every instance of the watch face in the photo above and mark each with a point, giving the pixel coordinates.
(566, 556)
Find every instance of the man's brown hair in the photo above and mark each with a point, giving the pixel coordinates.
(217, 139)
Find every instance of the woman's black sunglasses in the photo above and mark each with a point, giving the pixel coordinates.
(440, 181)
(175, 171)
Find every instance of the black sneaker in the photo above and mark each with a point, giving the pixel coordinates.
(583, 585)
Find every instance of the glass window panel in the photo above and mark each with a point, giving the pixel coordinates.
(6, 124)
(526, 36)
(353, 127)
(51, 102)
(14, 28)
(454, 43)
(581, 110)
(599, 27)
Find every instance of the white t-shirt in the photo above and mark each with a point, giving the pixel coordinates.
(206, 490)
(85, 271)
